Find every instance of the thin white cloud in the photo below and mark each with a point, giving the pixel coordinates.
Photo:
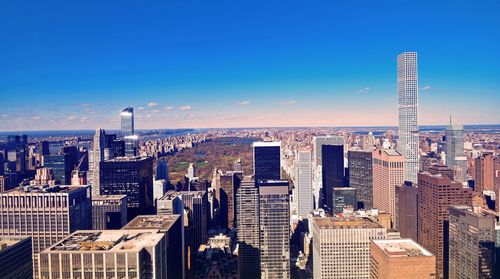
(152, 104)
(186, 108)
(364, 90)
(168, 108)
(289, 102)
(425, 88)
(243, 103)
(70, 118)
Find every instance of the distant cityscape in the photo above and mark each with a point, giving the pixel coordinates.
(323, 202)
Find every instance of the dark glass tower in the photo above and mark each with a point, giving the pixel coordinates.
(61, 166)
(16, 153)
(361, 177)
(131, 176)
(266, 160)
(332, 171)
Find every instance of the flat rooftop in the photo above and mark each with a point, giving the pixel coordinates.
(38, 189)
(128, 159)
(108, 240)
(346, 223)
(159, 222)
(267, 144)
(401, 248)
(170, 195)
(391, 152)
(108, 197)
(193, 193)
(8, 241)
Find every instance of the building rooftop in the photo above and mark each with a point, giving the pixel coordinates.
(401, 248)
(108, 240)
(43, 189)
(193, 193)
(9, 241)
(346, 223)
(267, 144)
(158, 222)
(128, 159)
(108, 197)
(391, 152)
(170, 195)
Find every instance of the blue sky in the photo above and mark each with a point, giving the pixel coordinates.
(68, 65)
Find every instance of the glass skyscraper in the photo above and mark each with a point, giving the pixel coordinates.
(266, 160)
(408, 113)
(332, 171)
(127, 130)
(455, 155)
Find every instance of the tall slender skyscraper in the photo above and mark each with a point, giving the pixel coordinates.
(332, 171)
(304, 177)
(455, 155)
(408, 113)
(98, 147)
(127, 120)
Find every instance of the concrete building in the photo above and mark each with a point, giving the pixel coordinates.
(471, 242)
(436, 193)
(109, 212)
(304, 180)
(247, 216)
(341, 246)
(16, 257)
(388, 172)
(401, 258)
(408, 113)
(361, 176)
(484, 172)
(406, 211)
(267, 160)
(274, 223)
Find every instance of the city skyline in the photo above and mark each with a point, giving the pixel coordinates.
(299, 65)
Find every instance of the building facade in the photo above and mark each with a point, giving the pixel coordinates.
(16, 257)
(361, 177)
(109, 212)
(304, 180)
(267, 160)
(332, 164)
(406, 211)
(455, 155)
(484, 172)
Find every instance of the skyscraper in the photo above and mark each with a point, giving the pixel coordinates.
(109, 212)
(131, 176)
(98, 146)
(344, 197)
(127, 130)
(361, 176)
(319, 141)
(247, 216)
(406, 211)
(196, 202)
(274, 223)
(472, 242)
(16, 153)
(388, 172)
(455, 155)
(484, 172)
(304, 177)
(332, 158)
(408, 113)
(267, 160)
(229, 184)
(341, 246)
(61, 167)
(436, 192)
(162, 170)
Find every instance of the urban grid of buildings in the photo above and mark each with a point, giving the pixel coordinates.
(317, 203)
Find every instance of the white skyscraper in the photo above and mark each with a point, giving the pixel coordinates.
(408, 113)
(455, 155)
(304, 177)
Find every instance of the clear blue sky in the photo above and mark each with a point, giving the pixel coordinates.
(69, 65)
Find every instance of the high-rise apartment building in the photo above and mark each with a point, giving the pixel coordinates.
(247, 216)
(304, 180)
(130, 176)
(47, 214)
(274, 223)
(406, 211)
(484, 172)
(408, 113)
(109, 212)
(361, 177)
(127, 131)
(471, 242)
(341, 246)
(436, 193)
(332, 163)
(401, 258)
(388, 172)
(267, 160)
(455, 155)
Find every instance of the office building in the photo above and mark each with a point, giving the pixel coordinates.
(171, 226)
(436, 193)
(361, 176)
(274, 221)
(226, 196)
(332, 170)
(401, 258)
(216, 259)
(344, 197)
(128, 133)
(109, 212)
(267, 160)
(408, 113)
(455, 155)
(61, 167)
(319, 141)
(130, 176)
(471, 242)
(98, 146)
(341, 246)
(196, 202)
(16, 257)
(304, 180)
(44, 148)
(170, 203)
(162, 170)
(47, 214)
(16, 157)
(107, 254)
(159, 189)
(388, 172)
(484, 172)
(247, 216)
(406, 210)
